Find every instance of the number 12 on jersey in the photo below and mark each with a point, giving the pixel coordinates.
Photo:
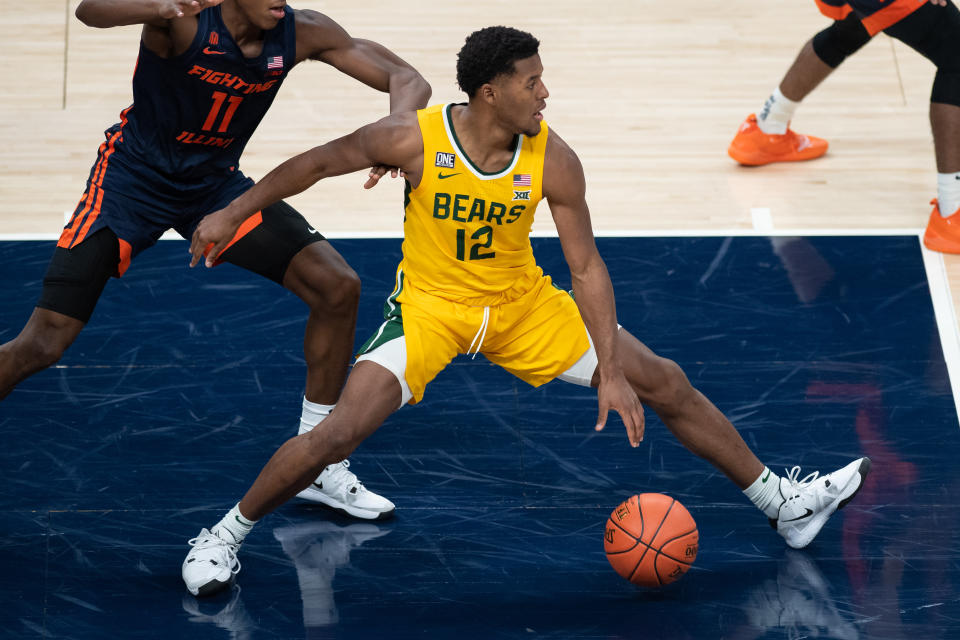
(484, 237)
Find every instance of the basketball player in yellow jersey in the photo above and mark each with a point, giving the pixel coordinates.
(468, 283)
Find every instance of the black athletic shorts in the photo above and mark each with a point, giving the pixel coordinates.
(934, 32)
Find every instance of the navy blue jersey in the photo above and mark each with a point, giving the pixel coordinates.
(193, 114)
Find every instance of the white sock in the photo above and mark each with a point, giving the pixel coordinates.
(948, 193)
(776, 114)
(234, 527)
(765, 493)
(313, 414)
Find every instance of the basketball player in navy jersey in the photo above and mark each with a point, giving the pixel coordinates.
(207, 72)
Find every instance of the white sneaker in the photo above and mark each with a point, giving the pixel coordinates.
(810, 502)
(338, 488)
(211, 565)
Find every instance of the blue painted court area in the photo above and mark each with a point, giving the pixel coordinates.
(819, 349)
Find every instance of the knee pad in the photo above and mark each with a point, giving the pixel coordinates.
(840, 40)
(76, 277)
(934, 32)
(946, 87)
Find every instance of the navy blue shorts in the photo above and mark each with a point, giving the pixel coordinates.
(127, 207)
(139, 204)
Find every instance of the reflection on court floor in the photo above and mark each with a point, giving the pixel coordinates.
(820, 349)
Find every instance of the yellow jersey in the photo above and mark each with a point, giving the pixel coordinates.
(467, 232)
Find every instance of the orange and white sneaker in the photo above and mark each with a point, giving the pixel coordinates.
(942, 234)
(751, 146)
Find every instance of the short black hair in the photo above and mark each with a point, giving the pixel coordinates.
(489, 52)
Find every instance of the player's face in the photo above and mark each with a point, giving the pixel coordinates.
(524, 96)
(263, 13)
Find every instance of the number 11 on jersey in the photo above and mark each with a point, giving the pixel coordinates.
(219, 97)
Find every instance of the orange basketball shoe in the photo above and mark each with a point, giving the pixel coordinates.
(942, 234)
(751, 146)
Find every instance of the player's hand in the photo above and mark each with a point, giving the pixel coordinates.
(211, 237)
(940, 3)
(180, 8)
(617, 394)
(378, 172)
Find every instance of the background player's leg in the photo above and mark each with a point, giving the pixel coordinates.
(934, 32)
(805, 74)
(766, 137)
(945, 122)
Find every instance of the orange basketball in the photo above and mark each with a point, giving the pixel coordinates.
(651, 539)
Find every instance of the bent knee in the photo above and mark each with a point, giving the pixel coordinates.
(344, 295)
(36, 352)
(332, 445)
(669, 386)
(43, 340)
(334, 288)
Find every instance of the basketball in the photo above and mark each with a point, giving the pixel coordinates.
(651, 539)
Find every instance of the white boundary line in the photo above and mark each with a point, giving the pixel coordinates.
(946, 316)
(606, 233)
(762, 219)
(943, 308)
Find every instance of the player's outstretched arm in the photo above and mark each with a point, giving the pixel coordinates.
(394, 141)
(115, 13)
(321, 38)
(564, 186)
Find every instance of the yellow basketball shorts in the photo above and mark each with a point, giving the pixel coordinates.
(536, 337)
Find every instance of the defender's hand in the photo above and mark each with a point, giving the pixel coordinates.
(211, 237)
(181, 8)
(378, 172)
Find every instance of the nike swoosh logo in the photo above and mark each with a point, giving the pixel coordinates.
(444, 176)
(213, 52)
(765, 478)
(806, 515)
(312, 230)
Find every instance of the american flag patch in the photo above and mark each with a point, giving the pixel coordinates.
(276, 62)
(521, 179)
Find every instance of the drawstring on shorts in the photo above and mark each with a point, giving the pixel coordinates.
(481, 333)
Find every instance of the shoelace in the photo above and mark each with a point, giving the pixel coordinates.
(798, 485)
(210, 540)
(341, 474)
